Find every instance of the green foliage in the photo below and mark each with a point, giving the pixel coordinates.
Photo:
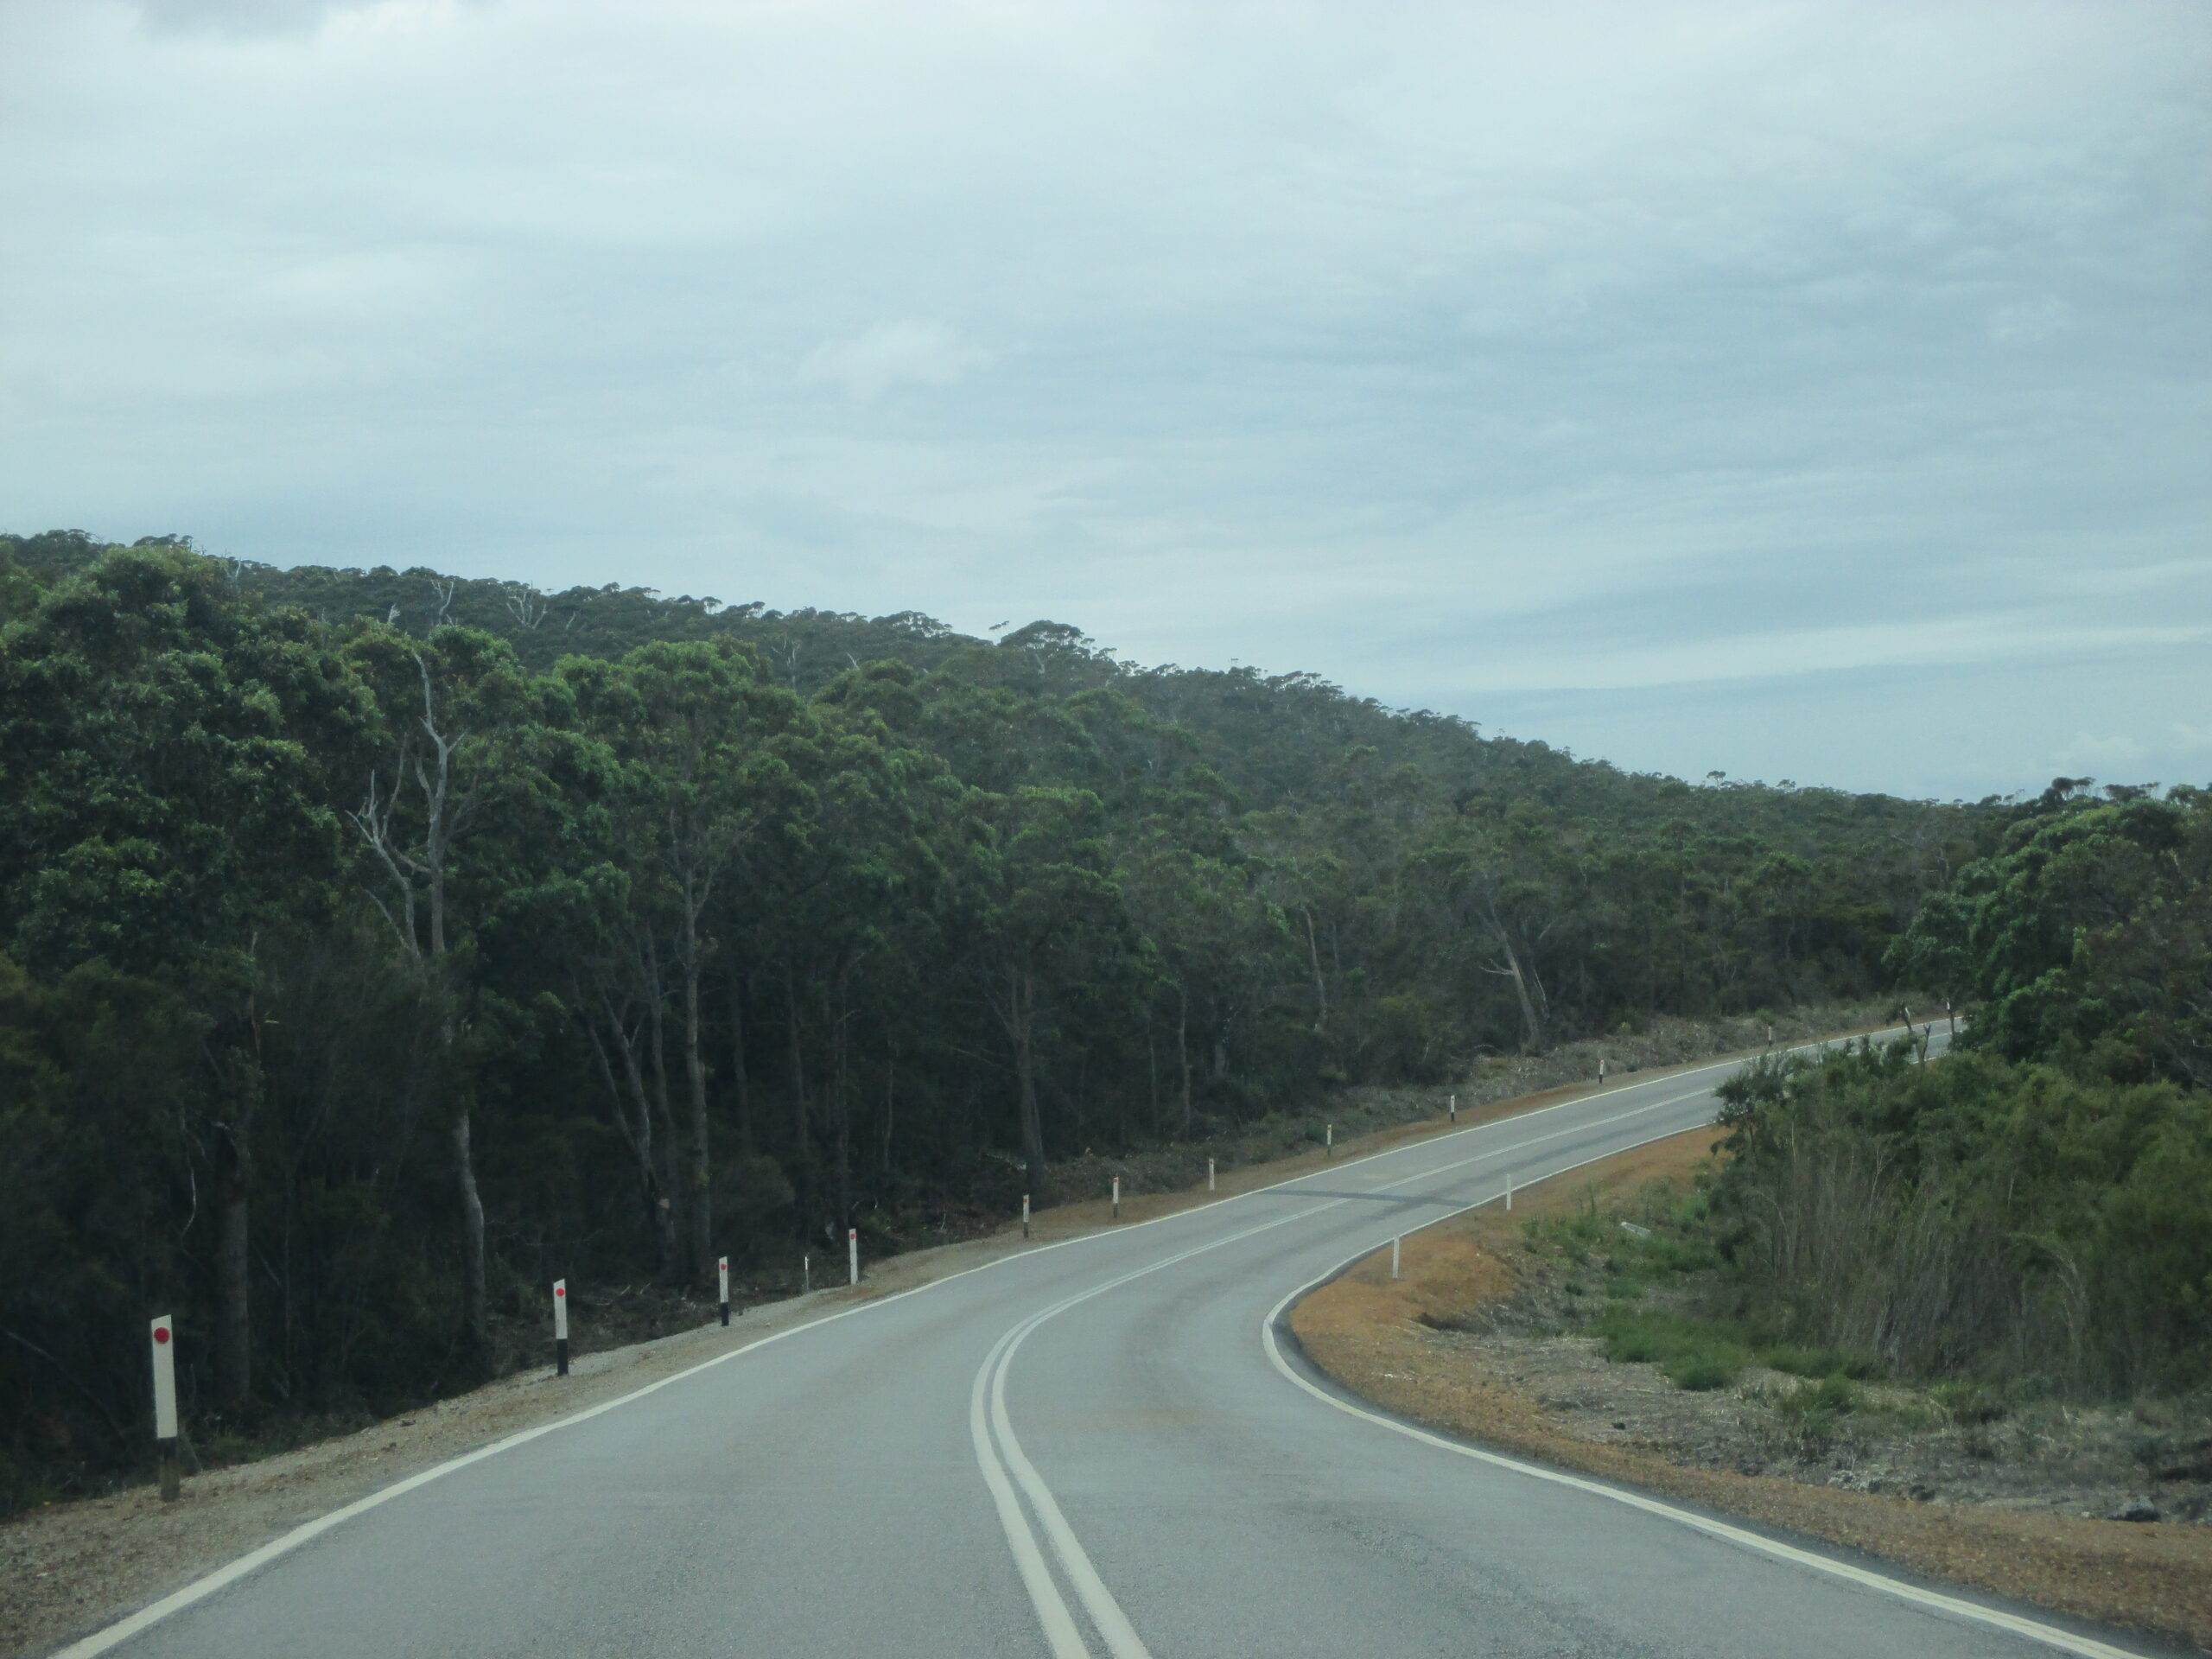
(1657, 1303)
(2086, 933)
(1692, 1353)
(723, 929)
(1972, 1217)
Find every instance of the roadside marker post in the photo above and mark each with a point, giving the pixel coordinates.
(1329, 1142)
(163, 1338)
(1394, 1256)
(805, 1275)
(1509, 1190)
(721, 1271)
(853, 1254)
(560, 1327)
(1209, 1174)
(1454, 1107)
(1025, 1215)
(1117, 1197)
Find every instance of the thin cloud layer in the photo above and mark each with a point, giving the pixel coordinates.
(1764, 388)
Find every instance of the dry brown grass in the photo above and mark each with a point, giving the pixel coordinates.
(1364, 1330)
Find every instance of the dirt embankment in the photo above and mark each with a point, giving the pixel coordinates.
(1405, 1344)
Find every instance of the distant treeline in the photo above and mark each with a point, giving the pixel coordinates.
(379, 945)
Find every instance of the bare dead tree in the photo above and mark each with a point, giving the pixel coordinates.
(416, 865)
(528, 606)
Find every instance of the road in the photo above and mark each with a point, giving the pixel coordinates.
(1097, 1447)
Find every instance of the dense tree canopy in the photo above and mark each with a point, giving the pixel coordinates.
(375, 945)
(2035, 1209)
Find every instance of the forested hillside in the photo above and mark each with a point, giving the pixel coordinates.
(378, 945)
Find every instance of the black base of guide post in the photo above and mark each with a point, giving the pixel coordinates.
(724, 1312)
(172, 1479)
(560, 1357)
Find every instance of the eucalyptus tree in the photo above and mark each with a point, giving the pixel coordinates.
(166, 803)
(457, 709)
(1049, 931)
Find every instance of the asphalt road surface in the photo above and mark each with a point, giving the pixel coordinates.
(1099, 1447)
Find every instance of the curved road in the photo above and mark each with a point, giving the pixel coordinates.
(1097, 1447)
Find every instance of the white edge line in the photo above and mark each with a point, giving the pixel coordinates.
(2050, 1635)
(124, 1629)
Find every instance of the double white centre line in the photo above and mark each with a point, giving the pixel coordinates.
(1006, 1467)
(1011, 1477)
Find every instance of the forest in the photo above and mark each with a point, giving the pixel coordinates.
(376, 946)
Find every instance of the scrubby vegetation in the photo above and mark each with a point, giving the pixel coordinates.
(2008, 1231)
(2028, 1217)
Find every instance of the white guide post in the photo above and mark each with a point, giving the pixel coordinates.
(1025, 1215)
(805, 1275)
(1329, 1142)
(722, 1273)
(1209, 1174)
(1117, 1197)
(853, 1254)
(1394, 1243)
(1509, 1190)
(560, 1327)
(163, 1338)
(1455, 1108)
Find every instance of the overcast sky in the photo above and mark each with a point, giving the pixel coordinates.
(1796, 391)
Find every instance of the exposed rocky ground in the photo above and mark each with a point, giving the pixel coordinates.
(2151, 1460)
(2095, 1461)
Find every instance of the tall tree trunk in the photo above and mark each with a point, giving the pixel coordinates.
(802, 1137)
(740, 1084)
(475, 1306)
(657, 1028)
(890, 1109)
(1532, 1027)
(1152, 1065)
(1021, 998)
(695, 1069)
(1183, 1049)
(637, 1133)
(233, 1276)
(1320, 987)
(840, 1098)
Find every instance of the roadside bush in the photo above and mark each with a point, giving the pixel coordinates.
(1971, 1217)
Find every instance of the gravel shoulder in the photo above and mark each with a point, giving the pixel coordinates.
(1442, 1346)
(69, 1569)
